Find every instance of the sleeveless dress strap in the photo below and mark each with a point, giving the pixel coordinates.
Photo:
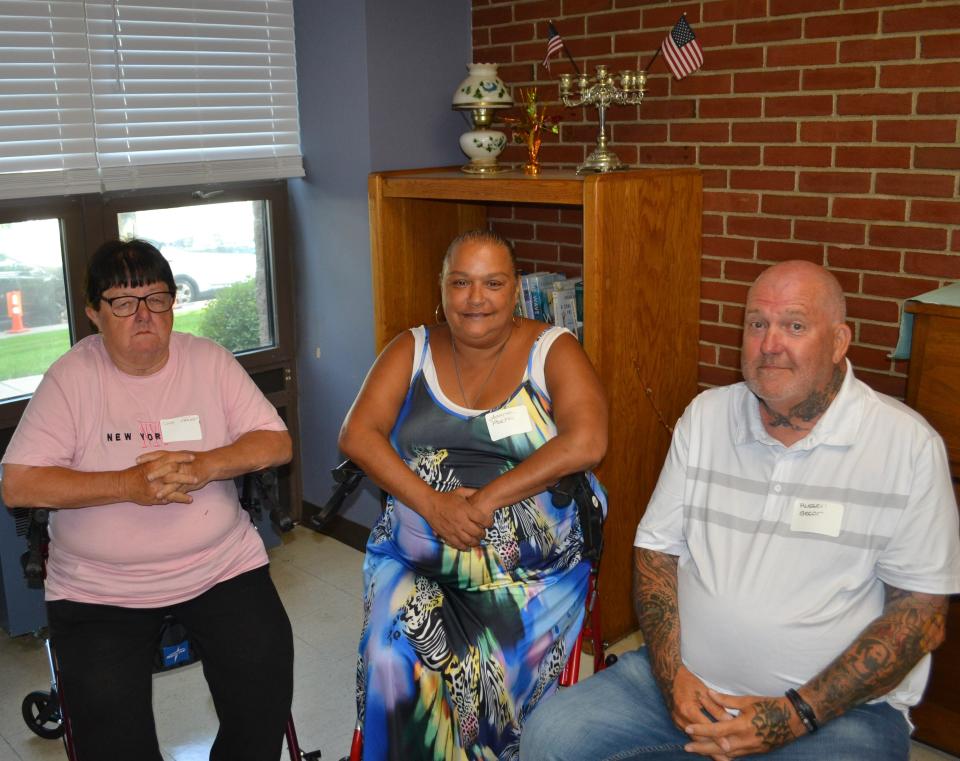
(536, 362)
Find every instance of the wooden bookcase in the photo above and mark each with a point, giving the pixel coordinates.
(641, 275)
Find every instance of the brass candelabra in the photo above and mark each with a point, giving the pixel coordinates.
(602, 91)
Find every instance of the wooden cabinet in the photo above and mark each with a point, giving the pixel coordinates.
(641, 273)
(933, 389)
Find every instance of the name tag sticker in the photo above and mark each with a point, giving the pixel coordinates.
(817, 517)
(507, 422)
(184, 428)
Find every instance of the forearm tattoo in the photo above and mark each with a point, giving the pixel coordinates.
(655, 602)
(911, 625)
(771, 722)
(811, 407)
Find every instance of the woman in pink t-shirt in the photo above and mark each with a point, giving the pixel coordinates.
(135, 436)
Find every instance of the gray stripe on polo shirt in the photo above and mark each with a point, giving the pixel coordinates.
(746, 526)
(788, 489)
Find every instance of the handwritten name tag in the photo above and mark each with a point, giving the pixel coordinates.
(817, 517)
(507, 422)
(183, 428)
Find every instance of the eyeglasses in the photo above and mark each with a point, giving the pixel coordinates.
(124, 306)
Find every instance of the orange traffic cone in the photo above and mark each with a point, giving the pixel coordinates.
(15, 312)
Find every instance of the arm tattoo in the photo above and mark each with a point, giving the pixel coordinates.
(911, 625)
(655, 601)
(771, 722)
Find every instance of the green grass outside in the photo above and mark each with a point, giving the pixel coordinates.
(32, 353)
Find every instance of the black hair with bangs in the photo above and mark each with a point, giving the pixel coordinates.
(126, 263)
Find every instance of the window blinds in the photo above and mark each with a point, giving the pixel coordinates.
(162, 92)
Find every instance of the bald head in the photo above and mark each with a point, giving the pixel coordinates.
(805, 274)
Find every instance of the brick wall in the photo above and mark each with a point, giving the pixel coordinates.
(825, 129)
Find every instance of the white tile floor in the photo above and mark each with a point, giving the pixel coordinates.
(319, 581)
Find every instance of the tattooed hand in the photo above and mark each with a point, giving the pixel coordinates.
(764, 723)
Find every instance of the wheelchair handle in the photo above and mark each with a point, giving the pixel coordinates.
(347, 476)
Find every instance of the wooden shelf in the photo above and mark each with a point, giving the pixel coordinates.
(641, 274)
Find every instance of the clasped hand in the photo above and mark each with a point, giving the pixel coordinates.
(162, 477)
(457, 518)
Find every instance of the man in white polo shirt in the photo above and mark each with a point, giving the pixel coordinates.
(791, 571)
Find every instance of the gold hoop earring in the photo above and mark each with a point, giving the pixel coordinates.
(436, 315)
(516, 321)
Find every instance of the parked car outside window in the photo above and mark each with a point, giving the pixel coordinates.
(200, 273)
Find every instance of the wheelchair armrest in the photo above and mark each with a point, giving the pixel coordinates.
(576, 488)
(347, 476)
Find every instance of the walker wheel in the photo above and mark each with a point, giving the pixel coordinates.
(41, 712)
(610, 659)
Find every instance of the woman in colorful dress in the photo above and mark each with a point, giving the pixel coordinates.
(475, 583)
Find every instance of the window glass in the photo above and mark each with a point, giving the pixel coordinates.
(33, 299)
(221, 264)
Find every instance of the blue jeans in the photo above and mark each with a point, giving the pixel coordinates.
(619, 715)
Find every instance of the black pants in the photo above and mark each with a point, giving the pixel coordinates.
(243, 637)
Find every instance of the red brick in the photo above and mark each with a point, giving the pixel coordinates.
(736, 58)
(500, 211)
(709, 312)
(857, 4)
(781, 155)
(742, 203)
(572, 7)
(834, 182)
(933, 265)
(945, 212)
(513, 33)
(664, 18)
(732, 315)
(667, 155)
(937, 158)
(502, 14)
(902, 236)
(920, 75)
(637, 133)
(729, 357)
(766, 81)
(877, 104)
(955, 241)
(745, 179)
(702, 84)
(725, 10)
(480, 37)
(520, 72)
(802, 105)
(791, 7)
(795, 205)
(723, 292)
(841, 25)
(569, 27)
(711, 224)
(935, 185)
(558, 234)
(873, 158)
(713, 37)
(829, 232)
(561, 154)
(711, 268)
(737, 108)
(782, 252)
(537, 213)
(537, 9)
(744, 272)
(838, 78)
(873, 309)
(864, 356)
(836, 132)
(715, 179)
(758, 227)
(717, 376)
(707, 354)
(938, 103)
(604, 23)
(883, 49)
(878, 335)
(765, 132)
(917, 19)
(886, 384)
(730, 155)
(571, 216)
(939, 46)
(681, 108)
(849, 281)
(736, 248)
(516, 230)
(896, 286)
(700, 132)
(917, 131)
(887, 209)
(536, 251)
(720, 334)
(769, 31)
(863, 258)
(499, 54)
(802, 54)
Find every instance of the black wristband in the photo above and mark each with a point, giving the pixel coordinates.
(804, 711)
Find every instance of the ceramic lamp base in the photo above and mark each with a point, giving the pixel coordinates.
(483, 146)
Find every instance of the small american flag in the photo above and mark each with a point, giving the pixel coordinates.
(554, 44)
(681, 50)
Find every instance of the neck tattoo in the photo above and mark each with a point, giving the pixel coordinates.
(472, 405)
(810, 408)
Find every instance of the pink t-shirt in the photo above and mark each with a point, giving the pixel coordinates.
(90, 416)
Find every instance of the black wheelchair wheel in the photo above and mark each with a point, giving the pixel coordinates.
(41, 712)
